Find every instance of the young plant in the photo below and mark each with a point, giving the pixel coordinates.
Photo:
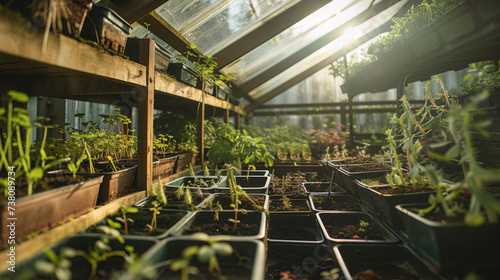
(155, 210)
(250, 167)
(206, 171)
(306, 151)
(123, 219)
(287, 204)
(207, 253)
(74, 167)
(235, 192)
(161, 197)
(332, 274)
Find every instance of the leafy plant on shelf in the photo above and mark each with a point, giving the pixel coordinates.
(206, 67)
(235, 192)
(207, 253)
(295, 151)
(15, 150)
(483, 206)
(234, 147)
(163, 144)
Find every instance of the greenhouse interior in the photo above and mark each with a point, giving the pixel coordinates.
(250, 139)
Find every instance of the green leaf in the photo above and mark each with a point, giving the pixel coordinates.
(18, 96)
(474, 219)
(205, 253)
(44, 267)
(222, 249)
(36, 173)
(452, 153)
(190, 251)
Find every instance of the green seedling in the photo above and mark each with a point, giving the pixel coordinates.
(123, 219)
(155, 210)
(207, 253)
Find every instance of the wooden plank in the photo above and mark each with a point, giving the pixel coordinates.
(131, 10)
(29, 248)
(169, 86)
(145, 116)
(64, 54)
(201, 131)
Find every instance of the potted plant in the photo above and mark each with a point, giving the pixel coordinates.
(473, 218)
(354, 227)
(109, 147)
(293, 228)
(368, 261)
(200, 254)
(41, 201)
(300, 261)
(284, 204)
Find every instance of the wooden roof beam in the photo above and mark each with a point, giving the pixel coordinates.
(315, 68)
(131, 10)
(267, 30)
(312, 47)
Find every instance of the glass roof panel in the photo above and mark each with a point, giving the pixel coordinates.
(327, 51)
(295, 38)
(212, 24)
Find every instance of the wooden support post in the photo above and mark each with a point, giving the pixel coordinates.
(201, 131)
(351, 123)
(237, 121)
(145, 116)
(343, 119)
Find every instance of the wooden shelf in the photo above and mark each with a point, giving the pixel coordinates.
(70, 69)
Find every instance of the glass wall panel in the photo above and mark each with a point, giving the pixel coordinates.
(213, 24)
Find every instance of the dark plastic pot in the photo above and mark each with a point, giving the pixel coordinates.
(262, 196)
(162, 55)
(454, 249)
(243, 173)
(80, 267)
(250, 266)
(296, 206)
(384, 205)
(326, 218)
(294, 228)
(335, 202)
(256, 221)
(183, 73)
(347, 177)
(304, 261)
(387, 261)
(111, 30)
(46, 209)
(187, 181)
(250, 184)
(167, 220)
(198, 201)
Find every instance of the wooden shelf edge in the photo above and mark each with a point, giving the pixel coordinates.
(29, 248)
(64, 54)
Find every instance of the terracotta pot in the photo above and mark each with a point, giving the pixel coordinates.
(46, 209)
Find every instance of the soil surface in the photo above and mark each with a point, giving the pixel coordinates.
(225, 201)
(143, 218)
(317, 187)
(368, 167)
(277, 205)
(248, 226)
(352, 229)
(411, 188)
(335, 203)
(48, 182)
